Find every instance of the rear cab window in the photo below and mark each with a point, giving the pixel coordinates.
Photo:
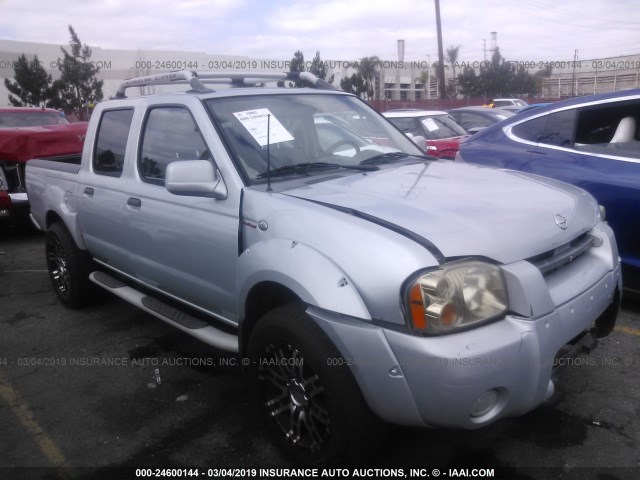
(111, 142)
(31, 119)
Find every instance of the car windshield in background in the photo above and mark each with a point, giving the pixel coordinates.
(437, 127)
(30, 119)
(503, 114)
(509, 103)
(312, 130)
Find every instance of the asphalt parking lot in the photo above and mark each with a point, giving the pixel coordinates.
(109, 389)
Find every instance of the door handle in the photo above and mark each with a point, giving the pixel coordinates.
(88, 191)
(134, 202)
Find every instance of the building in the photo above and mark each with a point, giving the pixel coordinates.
(406, 81)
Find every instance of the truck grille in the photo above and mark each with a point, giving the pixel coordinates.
(552, 260)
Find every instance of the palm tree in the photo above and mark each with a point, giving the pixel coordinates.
(367, 69)
(452, 58)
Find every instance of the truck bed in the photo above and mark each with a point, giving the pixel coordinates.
(59, 179)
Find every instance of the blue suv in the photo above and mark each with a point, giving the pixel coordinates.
(592, 142)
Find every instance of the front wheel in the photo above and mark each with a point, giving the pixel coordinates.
(314, 409)
(69, 267)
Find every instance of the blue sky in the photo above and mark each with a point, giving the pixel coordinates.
(547, 30)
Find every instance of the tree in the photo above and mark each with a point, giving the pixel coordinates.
(425, 79)
(354, 84)
(319, 68)
(523, 82)
(143, 69)
(540, 76)
(452, 57)
(32, 86)
(78, 85)
(297, 65)
(367, 69)
(497, 78)
(469, 84)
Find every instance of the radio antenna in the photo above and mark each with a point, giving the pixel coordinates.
(269, 189)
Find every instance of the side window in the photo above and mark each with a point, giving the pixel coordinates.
(169, 134)
(531, 130)
(470, 120)
(111, 142)
(554, 129)
(610, 129)
(559, 129)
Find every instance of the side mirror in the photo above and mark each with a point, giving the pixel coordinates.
(475, 130)
(195, 178)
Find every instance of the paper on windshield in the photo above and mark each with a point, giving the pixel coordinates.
(430, 124)
(259, 121)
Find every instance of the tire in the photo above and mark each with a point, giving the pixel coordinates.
(69, 268)
(314, 409)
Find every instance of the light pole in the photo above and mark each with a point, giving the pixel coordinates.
(573, 77)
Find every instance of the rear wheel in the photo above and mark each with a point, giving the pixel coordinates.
(314, 408)
(69, 268)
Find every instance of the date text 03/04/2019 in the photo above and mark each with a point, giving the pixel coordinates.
(559, 64)
(315, 473)
(146, 66)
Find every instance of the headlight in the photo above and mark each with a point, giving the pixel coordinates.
(456, 296)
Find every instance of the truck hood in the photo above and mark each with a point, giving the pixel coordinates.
(461, 209)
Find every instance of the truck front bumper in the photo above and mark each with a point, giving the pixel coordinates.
(472, 378)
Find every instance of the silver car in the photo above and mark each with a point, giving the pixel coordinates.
(361, 282)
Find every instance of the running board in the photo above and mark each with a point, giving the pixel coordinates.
(171, 315)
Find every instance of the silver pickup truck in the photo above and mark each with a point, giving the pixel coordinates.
(362, 282)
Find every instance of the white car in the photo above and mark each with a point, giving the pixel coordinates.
(510, 104)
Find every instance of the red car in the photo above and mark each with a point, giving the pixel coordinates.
(27, 133)
(436, 131)
(5, 204)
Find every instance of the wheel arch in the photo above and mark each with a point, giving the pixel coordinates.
(52, 217)
(275, 272)
(261, 299)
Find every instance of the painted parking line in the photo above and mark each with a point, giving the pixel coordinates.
(629, 330)
(46, 444)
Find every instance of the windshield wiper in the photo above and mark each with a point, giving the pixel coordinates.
(305, 167)
(391, 157)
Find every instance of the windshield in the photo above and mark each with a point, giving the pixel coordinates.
(313, 131)
(437, 127)
(30, 119)
(502, 114)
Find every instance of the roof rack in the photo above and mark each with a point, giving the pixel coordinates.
(198, 80)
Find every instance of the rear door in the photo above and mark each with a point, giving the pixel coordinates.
(102, 185)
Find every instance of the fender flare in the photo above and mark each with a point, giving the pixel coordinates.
(66, 210)
(312, 276)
